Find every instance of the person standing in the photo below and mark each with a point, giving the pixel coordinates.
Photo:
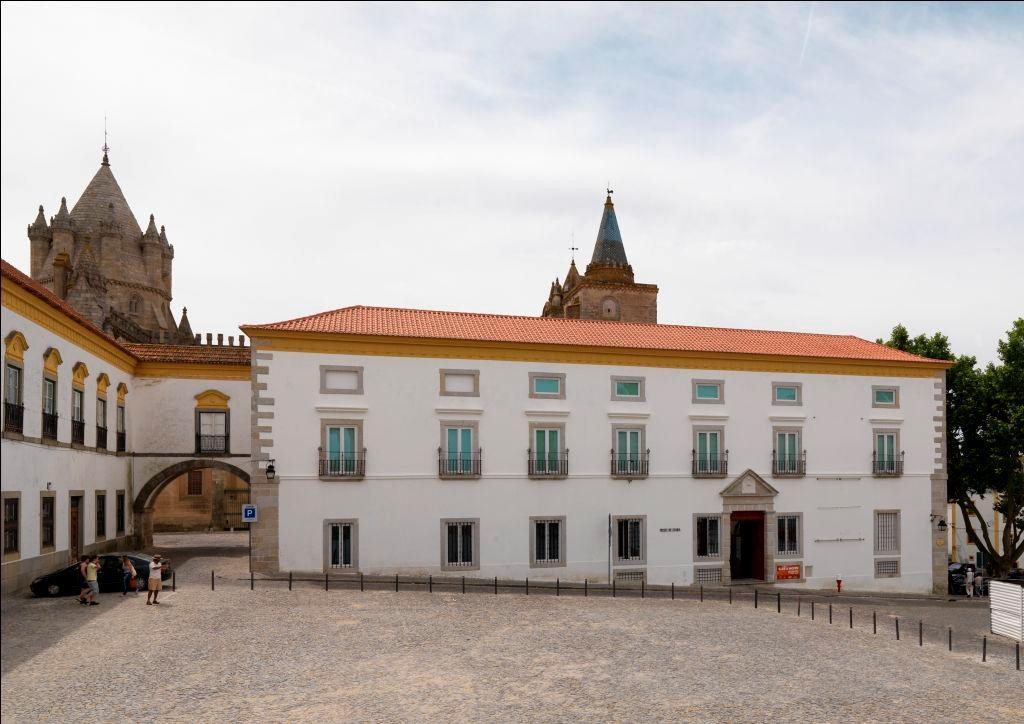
(128, 576)
(969, 581)
(92, 579)
(83, 593)
(156, 583)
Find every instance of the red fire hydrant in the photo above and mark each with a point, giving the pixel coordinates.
(839, 585)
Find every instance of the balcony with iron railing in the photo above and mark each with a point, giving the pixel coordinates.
(342, 465)
(710, 466)
(630, 466)
(789, 466)
(14, 417)
(77, 432)
(121, 440)
(459, 465)
(101, 438)
(212, 444)
(548, 466)
(49, 426)
(886, 467)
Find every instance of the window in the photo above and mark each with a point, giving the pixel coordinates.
(459, 457)
(609, 308)
(101, 413)
(787, 393)
(887, 532)
(887, 460)
(547, 544)
(630, 532)
(708, 392)
(120, 418)
(49, 396)
(335, 380)
(460, 383)
(47, 520)
(76, 405)
(194, 486)
(630, 389)
(101, 515)
(708, 458)
(707, 534)
(885, 396)
(547, 385)
(547, 450)
(12, 526)
(212, 435)
(788, 457)
(460, 544)
(342, 450)
(627, 456)
(706, 574)
(887, 568)
(341, 544)
(120, 512)
(788, 533)
(13, 390)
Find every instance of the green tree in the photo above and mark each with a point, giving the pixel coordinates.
(985, 438)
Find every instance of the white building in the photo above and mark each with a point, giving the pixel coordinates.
(93, 429)
(429, 442)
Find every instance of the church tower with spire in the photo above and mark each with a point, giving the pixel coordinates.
(607, 289)
(97, 258)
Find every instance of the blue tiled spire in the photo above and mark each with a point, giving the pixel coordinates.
(608, 248)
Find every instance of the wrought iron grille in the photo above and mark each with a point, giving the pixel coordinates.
(549, 465)
(342, 465)
(630, 465)
(789, 466)
(886, 467)
(459, 464)
(14, 417)
(212, 443)
(708, 466)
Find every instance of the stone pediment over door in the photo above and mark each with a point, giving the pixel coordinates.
(749, 485)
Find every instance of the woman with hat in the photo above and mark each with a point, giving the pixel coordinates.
(156, 582)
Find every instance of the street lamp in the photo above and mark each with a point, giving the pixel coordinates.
(272, 471)
(942, 526)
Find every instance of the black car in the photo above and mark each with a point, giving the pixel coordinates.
(67, 581)
(957, 579)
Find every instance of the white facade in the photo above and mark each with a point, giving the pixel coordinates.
(400, 503)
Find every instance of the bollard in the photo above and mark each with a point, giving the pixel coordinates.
(251, 581)
(874, 622)
(613, 588)
(778, 602)
(495, 585)
(527, 586)
(361, 588)
(920, 633)
(174, 587)
(430, 584)
(950, 638)
(984, 648)
(851, 616)
(730, 595)
(643, 588)
(327, 582)
(755, 598)
(289, 580)
(558, 586)
(1018, 656)
(463, 584)
(702, 594)
(211, 581)
(812, 610)
(585, 585)
(798, 606)
(830, 613)
(673, 590)
(897, 628)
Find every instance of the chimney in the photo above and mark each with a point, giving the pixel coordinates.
(209, 337)
(220, 339)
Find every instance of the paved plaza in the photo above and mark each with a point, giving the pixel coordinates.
(308, 654)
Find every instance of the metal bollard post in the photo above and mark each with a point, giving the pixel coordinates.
(495, 585)
(396, 583)
(251, 581)
(558, 586)
(1018, 655)
(702, 594)
(984, 648)
(874, 622)
(174, 586)
(327, 582)
(920, 633)
(361, 588)
(755, 598)
(673, 590)
(643, 588)
(851, 616)
(430, 584)
(527, 586)
(585, 586)
(830, 613)
(613, 588)
(778, 602)
(812, 610)
(897, 628)
(798, 602)
(950, 638)
(211, 581)
(463, 584)
(730, 595)
(289, 580)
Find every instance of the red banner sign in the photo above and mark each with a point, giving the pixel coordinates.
(788, 572)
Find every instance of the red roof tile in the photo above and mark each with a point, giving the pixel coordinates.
(419, 323)
(194, 354)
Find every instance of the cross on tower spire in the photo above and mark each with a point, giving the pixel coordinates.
(106, 148)
(572, 245)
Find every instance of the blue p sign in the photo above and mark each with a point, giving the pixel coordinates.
(249, 513)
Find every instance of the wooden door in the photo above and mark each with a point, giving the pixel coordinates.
(75, 528)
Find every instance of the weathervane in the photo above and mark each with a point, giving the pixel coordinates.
(573, 248)
(106, 148)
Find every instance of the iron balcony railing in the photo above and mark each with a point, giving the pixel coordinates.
(630, 465)
(548, 465)
(342, 464)
(50, 425)
(453, 465)
(206, 444)
(101, 438)
(886, 467)
(710, 466)
(121, 440)
(789, 466)
(14, 417)
(78, 432)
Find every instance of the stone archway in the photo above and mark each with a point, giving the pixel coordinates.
(142, 507)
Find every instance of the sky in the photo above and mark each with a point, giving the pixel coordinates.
(815, 167)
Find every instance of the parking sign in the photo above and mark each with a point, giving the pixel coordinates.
(248, 513)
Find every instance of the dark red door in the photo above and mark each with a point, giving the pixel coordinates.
(75, 528)
(746, 553)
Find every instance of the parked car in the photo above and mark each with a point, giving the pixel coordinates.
(957, 574)
(66, 582)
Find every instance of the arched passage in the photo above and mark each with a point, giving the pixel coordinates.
(146, 497)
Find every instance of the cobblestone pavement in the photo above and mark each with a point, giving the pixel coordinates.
(307, 654)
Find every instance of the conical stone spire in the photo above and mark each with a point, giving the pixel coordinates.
(185, 335)
(151, 233)
(163, 235)
(39, 228)
(608, 248)
(63, 218)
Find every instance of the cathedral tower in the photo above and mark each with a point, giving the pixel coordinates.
(97, 258)
(607, 289)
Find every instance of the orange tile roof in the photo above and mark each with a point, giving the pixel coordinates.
(192, 354)
(463, 326)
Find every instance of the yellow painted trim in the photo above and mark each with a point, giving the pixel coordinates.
(122, 390)
(212, 399)
(193, 371)
(31, 307)
(52, 360)
(78, 373)
(102, 383)
(15, 347)
(353, 344)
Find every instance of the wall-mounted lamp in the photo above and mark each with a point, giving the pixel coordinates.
(941, 525)
(271, 470)
(49, 485)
